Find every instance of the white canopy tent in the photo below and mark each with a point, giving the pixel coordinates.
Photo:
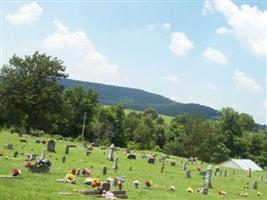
(242, 164)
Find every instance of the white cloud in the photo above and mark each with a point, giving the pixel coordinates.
(180, 44)
(152, 27)
(245, 81)
(207, 8)
(83, 61)
(222, 30)
(26, 14)
(171, 78)
(215, 56)
(210, 86)
(247, 23)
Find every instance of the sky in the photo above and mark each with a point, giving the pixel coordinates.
(211, 52)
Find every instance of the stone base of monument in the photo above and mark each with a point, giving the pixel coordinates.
(43, 169)
(203, 190)
(118, 194)
(7, 176)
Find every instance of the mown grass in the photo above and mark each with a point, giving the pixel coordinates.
(44, 186)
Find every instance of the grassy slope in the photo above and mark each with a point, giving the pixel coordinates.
(44, 186)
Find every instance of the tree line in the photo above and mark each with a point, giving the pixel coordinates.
(32, 99)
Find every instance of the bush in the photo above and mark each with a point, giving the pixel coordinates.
(131, 145)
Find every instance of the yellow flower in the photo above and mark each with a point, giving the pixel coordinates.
(70, 177)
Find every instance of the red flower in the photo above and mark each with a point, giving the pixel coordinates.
(15, 172)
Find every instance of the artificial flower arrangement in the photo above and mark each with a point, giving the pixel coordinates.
(38, 163)
(221, 192)
(190, 190)
(136, 183)
(108, 195)
(86, 172)
(95, 183)
(172, 188)
(15, 172)
(148, 183)
(70, 178)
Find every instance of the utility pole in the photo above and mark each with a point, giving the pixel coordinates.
(84, 119)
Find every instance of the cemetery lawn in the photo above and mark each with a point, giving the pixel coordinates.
(40, 186)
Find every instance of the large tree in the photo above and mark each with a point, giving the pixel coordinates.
(29, 88)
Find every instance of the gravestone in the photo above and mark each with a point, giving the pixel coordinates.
(67, 148)
(15, 154)
(254, 185)
(207, 183)
(173, 163)
(221, 172)
(63, 159)
(112, 149)
(151, 160)
(249, 172)
(104, 171)
(115, 164)
(131, 156)
(225, 173)
(8, 146)
(51, 144)
(105, 186)
(23, 140)
(188, 174)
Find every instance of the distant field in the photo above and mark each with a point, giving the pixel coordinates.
(44, 186)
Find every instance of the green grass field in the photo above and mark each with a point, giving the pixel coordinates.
(44, 186)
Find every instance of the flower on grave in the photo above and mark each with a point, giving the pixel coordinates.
(172, 188)
(73, 171)
(136, 183)
(190, 190)
(86, 172)
(258, 194)
(108, 195)
(115, 181)
(70, 178)
(122, 179)
(221, 192)
(30, 164)
(95, 182)
(43, 162)
(15, 172)
(148, 183)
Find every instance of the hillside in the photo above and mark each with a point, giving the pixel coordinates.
(44, 185)
(137, 99)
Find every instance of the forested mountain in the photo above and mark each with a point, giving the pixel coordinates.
(140, 100)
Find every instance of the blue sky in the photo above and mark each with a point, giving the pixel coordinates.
(209, 52)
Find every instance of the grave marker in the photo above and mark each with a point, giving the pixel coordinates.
(51, 144)
(249, 172)
(115, 164)
(131, 156)
(255, 185)
(112, 149)
(104, 171)
(15, 154)
(207, 184)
